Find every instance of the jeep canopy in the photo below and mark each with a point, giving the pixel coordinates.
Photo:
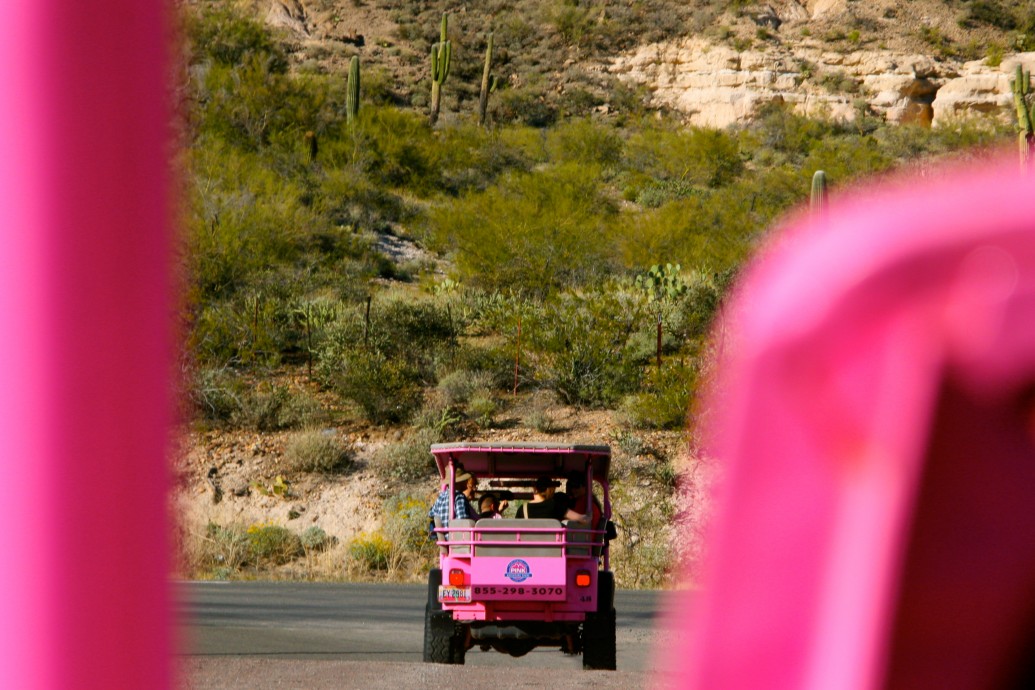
(523, 459)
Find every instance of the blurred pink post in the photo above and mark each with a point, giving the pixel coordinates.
(876, 527)
(85, 343)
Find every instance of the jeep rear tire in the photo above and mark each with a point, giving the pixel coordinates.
(444, 640)
(599, 650)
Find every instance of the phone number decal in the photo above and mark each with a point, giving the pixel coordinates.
(507, 591)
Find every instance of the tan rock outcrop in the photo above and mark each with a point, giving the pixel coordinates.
(979, 90)
(823, 8)
(716, 86)
(289, 14)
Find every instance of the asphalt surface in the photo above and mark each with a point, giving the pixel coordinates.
(315, 635)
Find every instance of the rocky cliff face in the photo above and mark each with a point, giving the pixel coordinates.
(716, 85)
(834, 58)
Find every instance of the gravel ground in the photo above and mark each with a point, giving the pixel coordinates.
(242, 673)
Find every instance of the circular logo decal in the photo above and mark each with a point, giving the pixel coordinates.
(518, 570)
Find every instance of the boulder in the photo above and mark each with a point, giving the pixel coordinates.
(289, 14)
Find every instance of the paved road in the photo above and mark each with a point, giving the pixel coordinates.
(261, 634)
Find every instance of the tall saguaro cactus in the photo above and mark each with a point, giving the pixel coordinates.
(1021, 87)
(818, 201)
(489, 82)
(352, 92)
(441, 53)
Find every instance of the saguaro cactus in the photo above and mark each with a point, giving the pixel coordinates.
(818, 202)
(352, 91)
(441, 53)
(1021, 87)
(489, 82)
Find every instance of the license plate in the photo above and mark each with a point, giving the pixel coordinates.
(454, 595)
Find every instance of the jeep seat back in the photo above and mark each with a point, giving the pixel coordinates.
(463, 536)
(523, 542)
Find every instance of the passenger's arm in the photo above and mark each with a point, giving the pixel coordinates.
(573, 516)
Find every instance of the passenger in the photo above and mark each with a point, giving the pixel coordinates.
(488, 507)
(576, 492)
(542, 504)
(505, 497)
(462, 508)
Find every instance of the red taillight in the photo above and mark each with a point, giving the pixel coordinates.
(582, 578)
(456, 577)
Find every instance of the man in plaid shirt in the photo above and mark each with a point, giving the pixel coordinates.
(462, 508)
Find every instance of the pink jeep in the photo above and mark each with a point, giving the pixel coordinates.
(515, 584)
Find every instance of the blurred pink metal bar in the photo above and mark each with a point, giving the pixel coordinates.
(85, 343)
(876, 526)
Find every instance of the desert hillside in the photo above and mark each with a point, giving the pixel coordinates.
(366, 276)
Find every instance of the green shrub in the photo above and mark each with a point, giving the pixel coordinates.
(642, 555)
(227, 36)
(482, 408)
(388, 391)
(582, 348)
(936, 39)
(994, 54)
(406, 522)
(457, 387)
(399, 150)
(410, 460)
(350, 198)
(839, 82)
(371, 551)
(262, 409)
(215, 395)
(317, 451)
(532, 233)
(494, 360)
(527, 105)
(383, 366)
(660, 193)
(628, 443)
(846, 157)
(439, 417)
(666, 401)
(273, 544)
(275, 407)
(692, 156)
(542, 421)
(659, 471)
(714, 230)
(244, 218)
(401, 548)
(778, 128)
(539, 417)
(224, 551)
(474, 158)
(585, 142)
(571, 22)
(991, 13)
(314, 538)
